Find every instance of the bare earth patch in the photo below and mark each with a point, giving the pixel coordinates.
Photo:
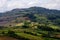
(7, 38)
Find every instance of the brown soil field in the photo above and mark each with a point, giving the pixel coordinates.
(7, 38)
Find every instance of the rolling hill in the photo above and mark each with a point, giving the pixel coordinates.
(28, 13)
(34, 23)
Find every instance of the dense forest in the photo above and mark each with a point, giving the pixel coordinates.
(34, 23)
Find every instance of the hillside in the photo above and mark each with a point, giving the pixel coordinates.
(53, 15)
(34, 23)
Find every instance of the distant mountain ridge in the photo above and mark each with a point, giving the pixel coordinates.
(29, 12)
(32, 10)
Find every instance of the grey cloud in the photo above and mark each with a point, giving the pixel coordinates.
(11, 4)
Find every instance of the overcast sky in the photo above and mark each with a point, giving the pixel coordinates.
(6, 5)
